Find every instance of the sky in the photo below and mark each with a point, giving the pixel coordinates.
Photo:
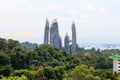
(97, 21)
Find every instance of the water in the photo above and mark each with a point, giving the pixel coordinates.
(100, 46)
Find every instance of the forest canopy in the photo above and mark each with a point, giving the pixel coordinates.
(49, 63)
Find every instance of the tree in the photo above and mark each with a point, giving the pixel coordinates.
(5, 66)
(90, 77)
(12, 43)
(6, 70)
(4, 58)
(83, 72)
(79, 72)
(27, 73)
(49, 73)
(39, 74)
(19, 58)
(59, 72)
(3, 44)
(15, 78)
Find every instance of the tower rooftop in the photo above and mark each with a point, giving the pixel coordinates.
(47, 22)
(54, 21)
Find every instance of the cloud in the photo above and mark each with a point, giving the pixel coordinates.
(88, 6)
(53, 6)
(84, 15)
(103, 9)
(92, 10)
(102, 21)
(72, 12)
(116, 1)
(19, 6)
(91, 7)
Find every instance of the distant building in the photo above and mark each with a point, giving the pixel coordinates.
(55, 39)
(46, 33)
(116, 63)
(66, 43)
(60, 42)
(74, 44)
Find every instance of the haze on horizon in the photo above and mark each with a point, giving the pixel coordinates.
(97, 21)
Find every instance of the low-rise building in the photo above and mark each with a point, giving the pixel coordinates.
(116, 63)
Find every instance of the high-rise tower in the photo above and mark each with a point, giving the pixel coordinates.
(55, 39)
(66, 42)
(60, 43)
(74, 45)
(46, 33)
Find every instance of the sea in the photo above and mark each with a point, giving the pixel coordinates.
(100, 46)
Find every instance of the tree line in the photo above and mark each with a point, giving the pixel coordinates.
(49, 63)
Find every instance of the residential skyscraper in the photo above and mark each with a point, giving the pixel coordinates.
(55, 39)
(74, 45)
(66, 43)
(46, 33)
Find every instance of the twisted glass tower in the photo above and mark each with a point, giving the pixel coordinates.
(46, 33)
(74, 45)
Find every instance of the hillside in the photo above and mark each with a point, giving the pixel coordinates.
(49, 63)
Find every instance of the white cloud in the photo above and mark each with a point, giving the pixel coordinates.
(72, 12)
(92, 10)
(91, 7)
(53, 6)
(102, 21)
(84, 15)
(116, 1)
(103, 9)
(88, 6)
(19, 6)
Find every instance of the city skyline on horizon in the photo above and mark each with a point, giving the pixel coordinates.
(97, 22)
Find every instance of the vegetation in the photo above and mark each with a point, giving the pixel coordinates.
(15, 78)
(48, 63)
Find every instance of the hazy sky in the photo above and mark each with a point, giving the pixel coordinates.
(97, 21)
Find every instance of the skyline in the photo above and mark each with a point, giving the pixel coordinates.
(97, 22)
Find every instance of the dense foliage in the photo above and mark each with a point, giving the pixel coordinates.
(48, 63)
